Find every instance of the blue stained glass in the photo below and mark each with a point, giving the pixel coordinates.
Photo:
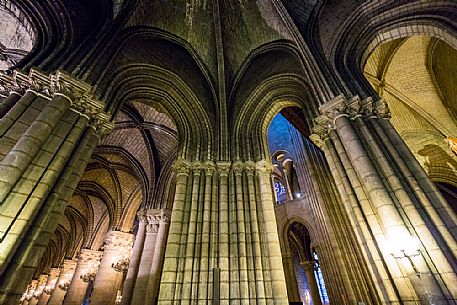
(320, 280)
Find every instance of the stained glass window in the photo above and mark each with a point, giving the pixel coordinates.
(280, 192)
(320, 280)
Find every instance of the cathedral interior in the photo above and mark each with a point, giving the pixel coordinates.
(228, 152)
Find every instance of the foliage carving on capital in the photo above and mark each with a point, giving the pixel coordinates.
(238, 167)
(382, 109)
(264, 167)
(118, 240)
(197, 167)
(101, 124)
(153, 224)
(223, 168)
(165, 216)
(209, 167)
(249, 167)
(182, 167)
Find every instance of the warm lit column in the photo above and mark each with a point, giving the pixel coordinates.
(115, 258)
(132, 273)
(42, 280)
(308, 266)
(86, 269)
(28, 295)
(41, 140)
(49, 287)
(157, 260)
(278, 288)
(372, 182)
(147, 255)
(63, 282)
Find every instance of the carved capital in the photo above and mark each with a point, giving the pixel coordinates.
(197, 167)
(182, 167)
(165, 216)
(238, 167)
(142, 217)
(249, 166)
(382, 109)
(118, 241)
(101, 124)
(89, 256)
(223, 168)
(264, 167)
(209, 167)
(153, 224)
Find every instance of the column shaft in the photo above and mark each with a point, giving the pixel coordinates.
(132, 273)
(65, 277)
(108, 280)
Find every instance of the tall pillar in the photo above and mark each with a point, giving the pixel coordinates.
(157, 260)
(49, 286)
(43, 139)
(395, 222)
(308, 266)
(63, 282)
(228, 257)
(28, 295)
(132, 273)
(114, 262)
(86, 270)
(142, 280)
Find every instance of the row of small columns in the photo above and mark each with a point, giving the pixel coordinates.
(104, 269)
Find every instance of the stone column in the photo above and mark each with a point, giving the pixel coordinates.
(373, 179)
(49, 287)
(63, 282)
(114, 262)
(42, 280)
(28, 295)
(147, 256)
(56, 125)
(86, 270)
(244, 242)
(168, 288)
(138, 246)
(276, 270)
(308, 266)
(157, 260)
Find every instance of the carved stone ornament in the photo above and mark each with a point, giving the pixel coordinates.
(119, 241)
(249, 166)
(223, 168)
(238, 167)
(197, 167)
(102, 125)
(58, 83)
(264, 167)
(182, 167)
(353, 108)
(165, 216)
(209, 167)
(153, 223)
